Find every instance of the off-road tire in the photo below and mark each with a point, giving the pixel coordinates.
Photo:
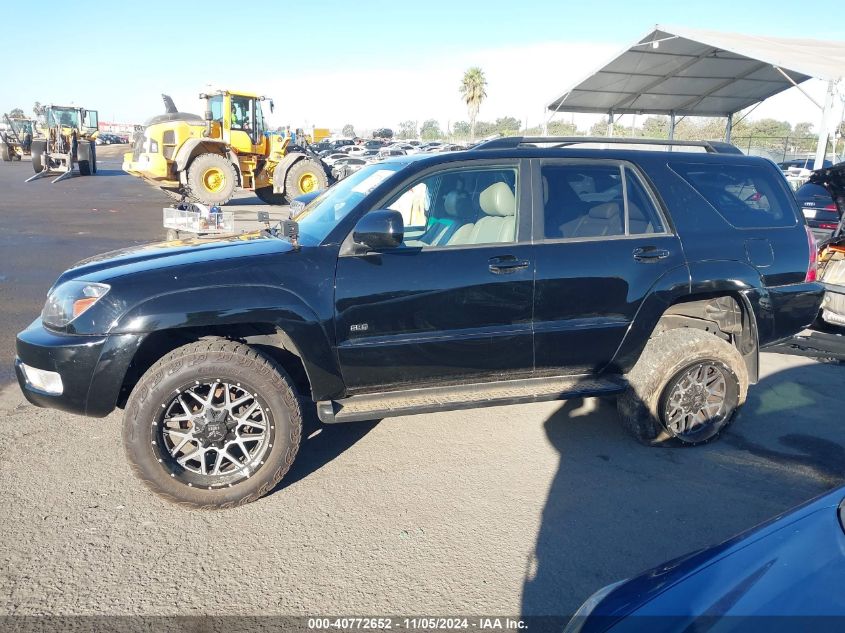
(267, 196)
(224, 360)
(199, 192)
(5, 152)
(665, 357)
(38, 150)
(83, 153)
(299, 169)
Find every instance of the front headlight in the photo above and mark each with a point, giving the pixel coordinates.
(70, 299)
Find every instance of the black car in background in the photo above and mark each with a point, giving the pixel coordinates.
(819, 209)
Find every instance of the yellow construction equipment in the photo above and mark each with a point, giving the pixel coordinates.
(16, 141)
(206, 158)
(67, 138)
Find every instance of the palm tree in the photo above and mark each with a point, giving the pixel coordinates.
(473, 92)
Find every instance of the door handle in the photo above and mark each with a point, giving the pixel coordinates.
(505, 264)
(650, 254)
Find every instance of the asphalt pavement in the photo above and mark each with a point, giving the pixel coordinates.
(508, 510)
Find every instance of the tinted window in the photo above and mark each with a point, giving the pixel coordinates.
(588, 201)
(747, 196)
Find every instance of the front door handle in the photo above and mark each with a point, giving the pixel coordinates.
(505, 264)
(650, 254)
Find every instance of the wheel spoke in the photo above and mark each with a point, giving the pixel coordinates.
(186, 437)
(197, 455)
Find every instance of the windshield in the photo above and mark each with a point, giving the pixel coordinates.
(326, 210)
(63, 116)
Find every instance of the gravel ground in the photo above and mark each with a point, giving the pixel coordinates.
(508, 510)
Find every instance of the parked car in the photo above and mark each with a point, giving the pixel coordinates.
(298, 204)
(779, 576)
(819, 209)
(333, 157)
(387, 152)
(374, 144)
(434, 282)
(347, 166)
(802, 163)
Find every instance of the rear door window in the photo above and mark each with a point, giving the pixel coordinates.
(747, 196)
(594, 200)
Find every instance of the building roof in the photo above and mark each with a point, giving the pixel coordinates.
(701, 73)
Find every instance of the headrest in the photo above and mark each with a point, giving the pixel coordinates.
(605, 211)
(450, 203)
(498, 199)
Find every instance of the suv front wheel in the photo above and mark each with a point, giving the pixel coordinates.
(212, 424)
(685, 389)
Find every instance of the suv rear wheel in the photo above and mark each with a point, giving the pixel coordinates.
(685, 389)
(213, 424)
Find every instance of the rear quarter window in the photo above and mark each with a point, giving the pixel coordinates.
(747, 196)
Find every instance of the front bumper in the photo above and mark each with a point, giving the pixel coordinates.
(92, 368)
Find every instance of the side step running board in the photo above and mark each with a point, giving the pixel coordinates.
(470, 396)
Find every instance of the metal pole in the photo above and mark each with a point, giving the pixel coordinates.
(671, 126)
(824, 131)
(729, 128)
(610, 125)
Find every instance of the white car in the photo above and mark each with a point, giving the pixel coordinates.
(331, 159)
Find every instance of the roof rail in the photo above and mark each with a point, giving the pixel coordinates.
(513, 142)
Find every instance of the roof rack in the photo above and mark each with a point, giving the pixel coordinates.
(514, 142)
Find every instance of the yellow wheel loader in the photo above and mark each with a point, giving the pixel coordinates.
(16, 141)
(205, 159)
(67, 139)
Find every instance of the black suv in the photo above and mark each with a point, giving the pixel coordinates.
(520, 271)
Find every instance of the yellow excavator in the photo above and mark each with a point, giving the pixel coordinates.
(205, 159)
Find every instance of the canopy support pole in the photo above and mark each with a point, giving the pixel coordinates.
(671, 126)
(610, 125)
(729, 128)
(824, 128)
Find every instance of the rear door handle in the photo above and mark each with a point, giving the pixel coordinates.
(505, 264)
(650, 254)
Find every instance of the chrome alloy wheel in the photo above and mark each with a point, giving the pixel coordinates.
(696, 401)
(213, 434)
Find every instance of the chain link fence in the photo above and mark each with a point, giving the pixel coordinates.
(786, 148)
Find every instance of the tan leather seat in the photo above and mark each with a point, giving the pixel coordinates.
(602, 219)
(499, 221)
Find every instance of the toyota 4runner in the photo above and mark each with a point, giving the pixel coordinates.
(520, 271)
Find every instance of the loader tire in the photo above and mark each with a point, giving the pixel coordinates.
(304, 177)
(685, 389)
(83, 159)
(38, 149)
(212, 179)
(268, 197)
(5, 152)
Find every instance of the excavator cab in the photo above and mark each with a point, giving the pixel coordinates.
(241, 120)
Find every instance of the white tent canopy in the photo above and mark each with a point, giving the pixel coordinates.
(681, 71)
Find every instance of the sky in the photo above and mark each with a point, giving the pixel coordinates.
(371, 63)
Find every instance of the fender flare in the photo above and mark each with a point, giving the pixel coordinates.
(280, 172)
(189, 150)
(294, 322)
(696, 279)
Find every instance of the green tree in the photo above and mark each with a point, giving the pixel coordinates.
(508, 126)
(348, 130)
(803, 129)
(461, 129)
(474, 91)
(407, 129)
(17, 113)
(656, 127)
(430, 130)
(38, 109)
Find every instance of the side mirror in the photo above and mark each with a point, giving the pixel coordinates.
(272, 106)
(209, 116)
(379, 230)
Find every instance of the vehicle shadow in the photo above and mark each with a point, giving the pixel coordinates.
(616, 508)
(321, 443)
